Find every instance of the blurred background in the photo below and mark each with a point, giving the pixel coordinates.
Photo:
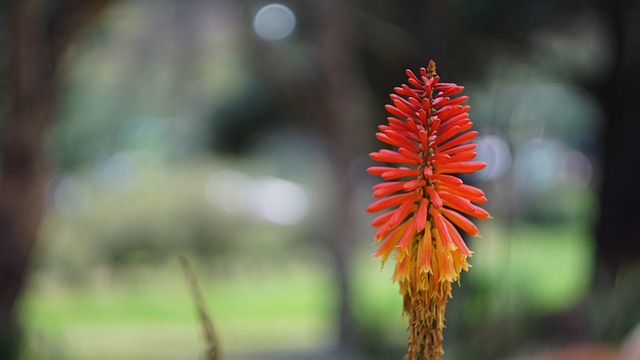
(236, 133)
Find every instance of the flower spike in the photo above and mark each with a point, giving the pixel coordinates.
(426, 203)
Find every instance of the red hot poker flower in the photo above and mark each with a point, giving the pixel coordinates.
(426, 203)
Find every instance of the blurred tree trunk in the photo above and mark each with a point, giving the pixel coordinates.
(617, 246)
(617, 234)
(344, 111)
(39, 33)
(333, 95)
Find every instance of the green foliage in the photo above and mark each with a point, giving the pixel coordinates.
(159, 212)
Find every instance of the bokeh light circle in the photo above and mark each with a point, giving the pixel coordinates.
(274, 22)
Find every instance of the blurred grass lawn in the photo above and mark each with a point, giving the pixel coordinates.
(150, 315)
(147, 313)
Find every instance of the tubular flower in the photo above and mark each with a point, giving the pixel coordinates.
(426, 203)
